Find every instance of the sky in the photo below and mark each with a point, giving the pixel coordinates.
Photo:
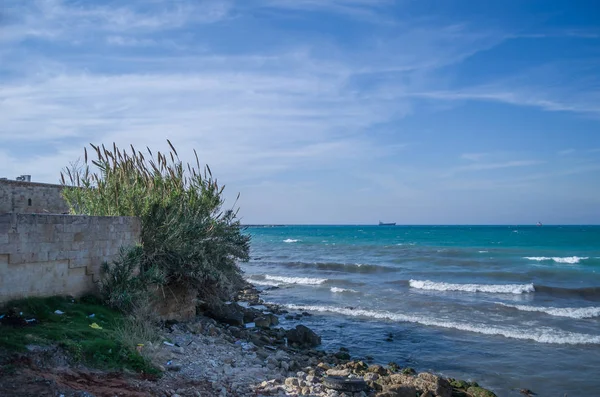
(321, 111)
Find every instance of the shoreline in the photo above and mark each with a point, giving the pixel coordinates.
(231, 349)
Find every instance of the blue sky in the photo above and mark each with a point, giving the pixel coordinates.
(322, 111)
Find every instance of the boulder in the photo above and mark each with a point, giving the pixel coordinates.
(262, 322)
(303, 335)
(343, 384)
(399, 391)
(480, 392)
(377, 369)
(232, 314)
(440, 387)
(338, 372)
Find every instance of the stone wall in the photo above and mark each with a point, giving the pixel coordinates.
(45, 255)
(31, 198)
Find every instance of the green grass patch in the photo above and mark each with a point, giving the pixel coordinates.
(98, 348)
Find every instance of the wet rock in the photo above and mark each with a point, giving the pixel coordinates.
(303, 335)
(459, 384)
(370, 377)
(480, 392)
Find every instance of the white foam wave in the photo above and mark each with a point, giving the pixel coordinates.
(540, 334)
(489, 288)
(483, 252)
(571, 312)
(290, 240)
(265, 283)
(336, 289)
(558, 259)
(296, 280)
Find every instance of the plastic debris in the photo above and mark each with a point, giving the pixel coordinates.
(31, 320)
(169, 362)
(92, 315)
(59, 312)
(250, 325)
(168, 343)
(95, 326)
(2, 316)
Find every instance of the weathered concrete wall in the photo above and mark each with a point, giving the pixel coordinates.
(45, 255)
(31, 198)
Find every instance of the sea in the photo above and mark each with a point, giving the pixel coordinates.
(511, 307)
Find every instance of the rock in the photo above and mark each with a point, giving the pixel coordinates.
(262, 322)
(377, 369)
(303, 335)
(342, 355)
(291, 382)
(370, 377)
(480, 392)
(323, 366)
(306, 390)
(459, 384)
(340, 383)
(439, 386)
(408, 371)
(273, 318)
(399, 391)
(174, 367)
(338, 372)
(232, 314)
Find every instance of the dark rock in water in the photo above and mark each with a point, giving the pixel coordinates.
(480, 392)
(303, 335)
(342, 355)
(343, 384)
(232, 314)
(307, 314)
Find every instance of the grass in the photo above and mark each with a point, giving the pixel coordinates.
(98, 348)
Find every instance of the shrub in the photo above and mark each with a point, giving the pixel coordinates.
(187, 237)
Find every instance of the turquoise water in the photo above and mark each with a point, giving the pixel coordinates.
(509, 306)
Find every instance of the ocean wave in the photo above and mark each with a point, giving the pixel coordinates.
(290, 240)
(540, 334)
(341, 267)
(296, 280)
(572, 312)
(567, 259)
(266, 283)
(489, 288)
(339, 290)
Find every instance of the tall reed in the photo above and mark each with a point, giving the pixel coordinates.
(187, 237)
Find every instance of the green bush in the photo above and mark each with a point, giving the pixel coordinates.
(187, 237)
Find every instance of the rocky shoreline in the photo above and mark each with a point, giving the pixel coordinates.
(232, 349)
(238, 348)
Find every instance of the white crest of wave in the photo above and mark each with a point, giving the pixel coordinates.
(541, 334)
(265, 283)
(336, 289)
(296, 280)
(290, 240)
(571, 312)
(558, 259)
(489, 288)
